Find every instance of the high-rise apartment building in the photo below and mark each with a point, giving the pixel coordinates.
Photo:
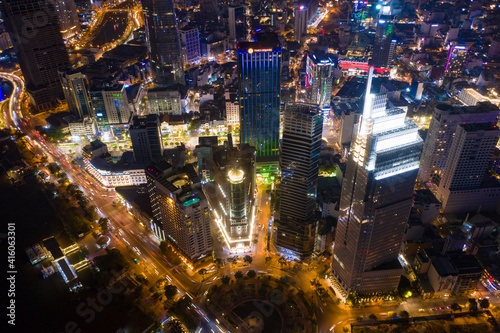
(68, 18)
(456, 60)
(181, 209)
(163, 41)
(319, 77)
(75, 88)
(110, 106)
(259, 74)
(145, 134)
(376, 198)
(39, 48)
(384, 45)
(295, 223)
(442, 128)
(190, 42)
(301, 12)
(470, 153)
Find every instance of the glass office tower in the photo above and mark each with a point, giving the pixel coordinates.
(259, 73)
(164, 45)
(295, 220)
(377, 195)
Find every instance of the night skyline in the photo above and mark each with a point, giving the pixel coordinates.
(267, 166)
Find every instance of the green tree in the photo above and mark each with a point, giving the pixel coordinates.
(175, 326)
(248, 259)
(103, 223)
(282, 261)
(170, 291)
(238, 275)
(456, 307)
(484, 303)
(404, 314)
(268, 259)
(202, 272)
(373, 317)
(345, 329)
(225, 279)
(251, 274)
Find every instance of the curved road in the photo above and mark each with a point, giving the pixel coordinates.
(14, 113)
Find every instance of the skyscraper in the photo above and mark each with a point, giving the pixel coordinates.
(110, 106)
(190, 41)
(145, 135)
(295, 223)
(39, 47)
(232, 194)
(470, 153)
(442, 128)
(75, 88)
(164, 45)
(301, 12)
(68, 18)
(376, 198)
(319, 77)
(259, 74)
(384, 45)
(181, 208)
(236, 14)
(456, 60)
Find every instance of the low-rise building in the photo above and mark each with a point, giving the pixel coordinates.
(83, 127)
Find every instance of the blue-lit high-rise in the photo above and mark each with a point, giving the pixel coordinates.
(259, 73)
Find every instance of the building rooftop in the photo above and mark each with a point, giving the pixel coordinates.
(263, 41)
(319, 58)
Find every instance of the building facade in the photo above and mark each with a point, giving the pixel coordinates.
(190, 42)
(163, 41)
(376, 198)
(179, 205)
(40, 50)
(75, 88)
(259, 73)
(456, 60)
(470, 153)
(145, 134)
(445, 120)
(68, 18)
(319, 77)
(110, 106)
(295, 222)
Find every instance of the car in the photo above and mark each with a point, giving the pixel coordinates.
(136, 261)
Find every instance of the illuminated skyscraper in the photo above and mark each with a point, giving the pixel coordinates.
(164, 45)
(377, 195)
(259, 73)
(301, 17)
(233, 204)
(295, 223)
(445, 121)
(384, 45)
(181, 209)
(75, 88)
(39, 48)
(319, 77)
(456, 60)
(190, 41)
(68, 18)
